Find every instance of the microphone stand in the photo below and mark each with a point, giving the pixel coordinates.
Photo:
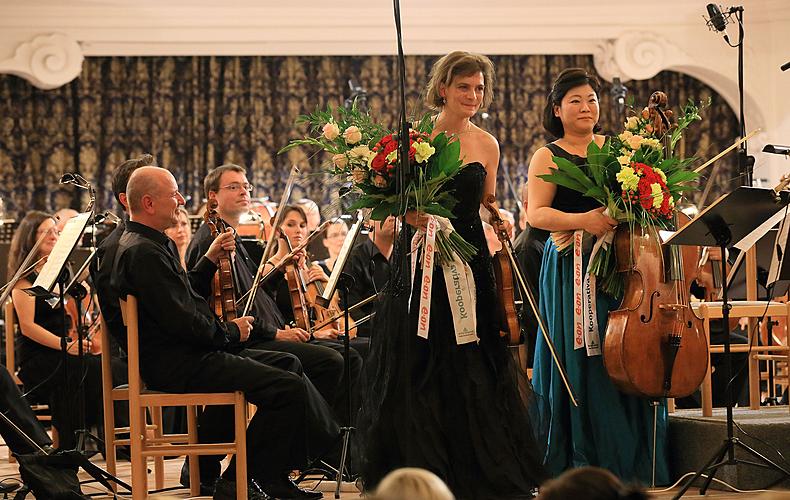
(345, 283)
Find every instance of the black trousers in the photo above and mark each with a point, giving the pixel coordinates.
(277, 436)
(16, 408)
(57, 380)
(322, 361)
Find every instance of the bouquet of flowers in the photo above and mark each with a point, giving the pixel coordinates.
(368, 156)
(636, 176)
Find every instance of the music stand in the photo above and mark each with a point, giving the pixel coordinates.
(54, 273)
(726, 221)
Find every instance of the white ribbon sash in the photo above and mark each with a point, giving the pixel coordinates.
(585, 316)
(578, 295)
(458, 280)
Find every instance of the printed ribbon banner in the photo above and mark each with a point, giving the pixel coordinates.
(585, 316)
(458, 280)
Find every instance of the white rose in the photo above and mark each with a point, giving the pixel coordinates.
(331, 131)
(360, 151)
(352, 135)
(340, 161)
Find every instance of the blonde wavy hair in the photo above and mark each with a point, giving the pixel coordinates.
(411, 483)
(459, 63)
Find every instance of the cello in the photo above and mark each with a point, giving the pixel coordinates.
(655, 345)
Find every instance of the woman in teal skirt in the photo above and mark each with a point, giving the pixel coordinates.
(608, 428)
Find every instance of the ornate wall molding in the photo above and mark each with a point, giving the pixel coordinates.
(46, 61)
(637, 55)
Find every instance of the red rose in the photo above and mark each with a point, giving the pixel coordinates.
(379, 162)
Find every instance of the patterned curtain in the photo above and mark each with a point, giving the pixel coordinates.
(194, 113)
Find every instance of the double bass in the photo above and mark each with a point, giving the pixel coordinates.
(655, 345)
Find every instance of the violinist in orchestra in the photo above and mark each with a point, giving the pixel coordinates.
(43, 326)
(313, 276)
(322, 362)
(447, 402)
(185, 347)
(369, 265)
(333, 240)
(609, 428)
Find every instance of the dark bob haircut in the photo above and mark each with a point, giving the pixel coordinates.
(568, 79)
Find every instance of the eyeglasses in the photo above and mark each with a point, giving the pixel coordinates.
(234, 187)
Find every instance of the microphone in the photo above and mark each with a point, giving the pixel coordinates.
(785, 66)
(717, 20)
(618, 92)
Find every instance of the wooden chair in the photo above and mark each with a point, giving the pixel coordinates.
(143, 447)
(111, 394)
(751, 310)
(41, 411)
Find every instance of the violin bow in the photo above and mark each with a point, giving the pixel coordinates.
(267, 252)
(507, 246)
(733, 146)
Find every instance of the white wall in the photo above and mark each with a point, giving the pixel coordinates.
(45, 41)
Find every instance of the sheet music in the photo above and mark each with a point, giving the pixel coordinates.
(779, 250)
(750, 239)
(57, 258)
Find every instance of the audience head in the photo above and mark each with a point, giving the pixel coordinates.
(33, 226)
(411, 483)
(228, 185)
(590, 483)
(124, 171)
(153, 197)
(458, 64)
(311, 211)
(574, 87)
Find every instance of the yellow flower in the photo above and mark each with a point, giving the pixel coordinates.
(652, 143)
(423, 151)
(660, 174)
(340, 160)
(624, 160)
(627, 178)
(625, 136)
(632, 123)
(658, 197)
(392, 156)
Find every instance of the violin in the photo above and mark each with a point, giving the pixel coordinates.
(223, 295)
(654, 345)
(503, 272)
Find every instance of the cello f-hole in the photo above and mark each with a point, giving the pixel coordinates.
(653, 295)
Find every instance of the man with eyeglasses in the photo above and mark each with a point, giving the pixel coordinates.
(228, 185)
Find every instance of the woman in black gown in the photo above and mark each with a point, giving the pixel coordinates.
(457, 410)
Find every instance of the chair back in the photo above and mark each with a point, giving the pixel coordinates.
(10, 340)
(129, 315)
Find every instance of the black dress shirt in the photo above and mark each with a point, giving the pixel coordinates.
(177, 326)
(267, 317)
(371, 272)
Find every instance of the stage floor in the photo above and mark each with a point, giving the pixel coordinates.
(173, 467)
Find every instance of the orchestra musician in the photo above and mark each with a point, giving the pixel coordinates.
(181, 234)
(322, 363)
(42, 366)
(184, 347)
(609, 428)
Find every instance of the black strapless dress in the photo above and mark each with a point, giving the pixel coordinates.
(460, 411)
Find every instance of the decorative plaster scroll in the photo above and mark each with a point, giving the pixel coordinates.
(46, 61)
(636, 55)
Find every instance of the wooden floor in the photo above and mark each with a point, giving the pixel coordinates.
(173, 467)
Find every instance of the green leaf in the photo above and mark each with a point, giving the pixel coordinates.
(384, 210)
(556, 177)
(436, 209)
(573, 171)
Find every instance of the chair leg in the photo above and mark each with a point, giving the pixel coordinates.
(706, 389)
(240, 434)
(138, 461)
(194, 465)
(159, 461)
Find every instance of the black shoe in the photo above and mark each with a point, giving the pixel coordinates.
(226, 490)
(284, 488)
(206, 488)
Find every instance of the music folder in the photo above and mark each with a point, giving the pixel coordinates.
(57, 259)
